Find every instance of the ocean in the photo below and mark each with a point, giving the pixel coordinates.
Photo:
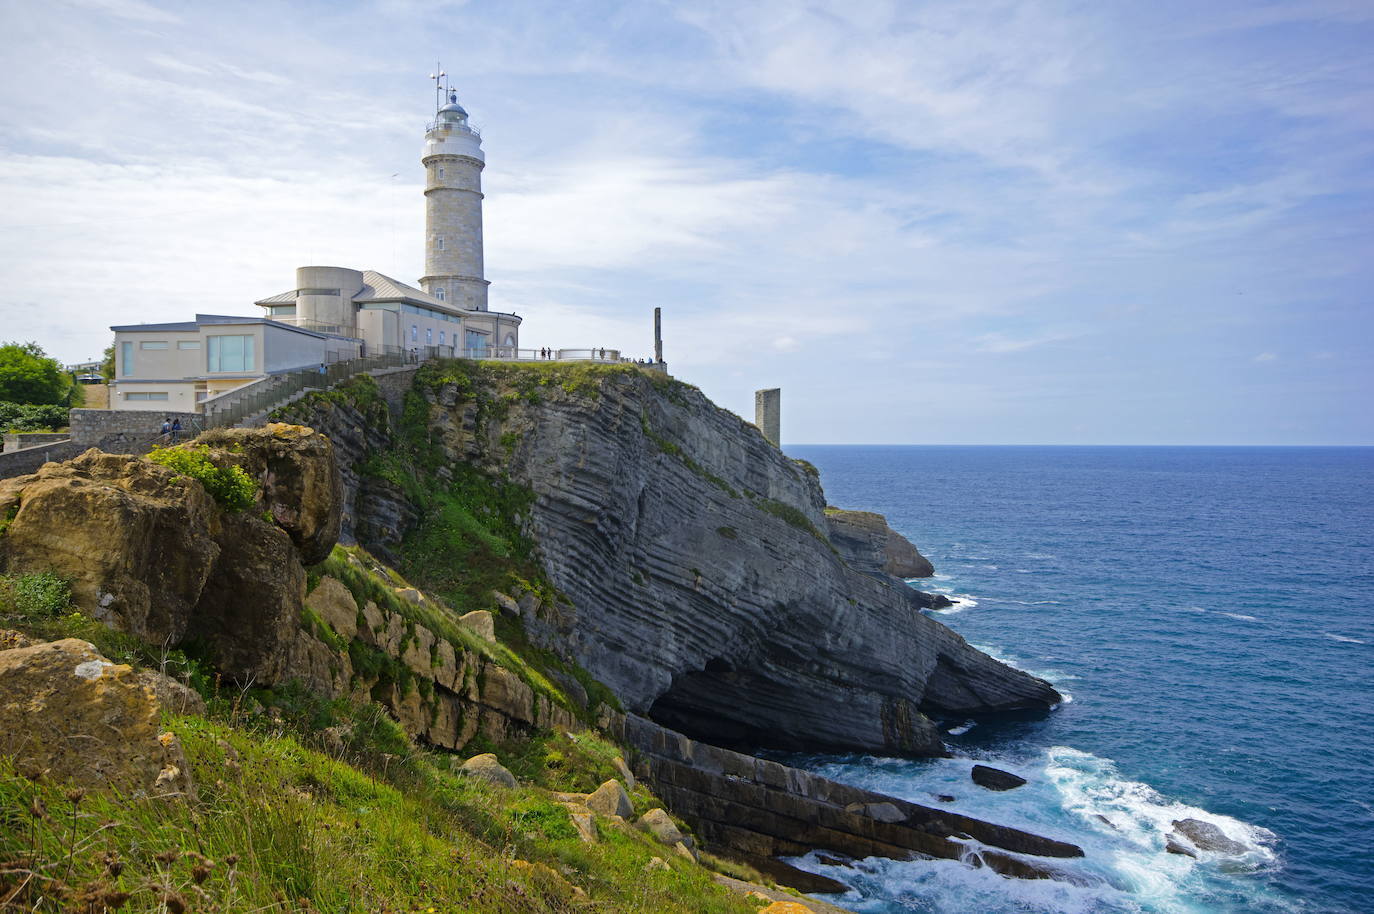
(1208, 614)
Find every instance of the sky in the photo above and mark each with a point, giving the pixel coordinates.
(1001, 222)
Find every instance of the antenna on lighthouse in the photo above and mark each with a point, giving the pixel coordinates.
(440, 86)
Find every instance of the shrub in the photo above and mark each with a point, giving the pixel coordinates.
(231, 487)
(31, 417)
(39, 594)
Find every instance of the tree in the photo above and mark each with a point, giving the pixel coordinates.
(107, 363)
(27, 375)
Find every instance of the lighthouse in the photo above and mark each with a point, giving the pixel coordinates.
(453, 162)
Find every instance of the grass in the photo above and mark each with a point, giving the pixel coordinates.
(310, 804)
(280, 826)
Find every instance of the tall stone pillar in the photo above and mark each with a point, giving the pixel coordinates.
(658, 335)
(768, 414)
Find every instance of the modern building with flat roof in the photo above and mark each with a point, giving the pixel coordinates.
(176, 366)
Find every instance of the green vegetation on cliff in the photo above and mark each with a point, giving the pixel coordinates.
(279, 825)
(309, 804)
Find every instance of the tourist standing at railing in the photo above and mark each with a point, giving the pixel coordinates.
(176, 429)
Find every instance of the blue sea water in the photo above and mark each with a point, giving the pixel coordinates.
(1208, 614)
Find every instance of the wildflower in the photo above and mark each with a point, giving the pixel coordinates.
(167, 739)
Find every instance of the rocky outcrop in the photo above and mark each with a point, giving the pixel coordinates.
(136, 541)
(71, 715)
(150, 553)
(756, 809)
(1206, 836)
(869, 545)
(995, 778)
(299, 480)
(706, 590)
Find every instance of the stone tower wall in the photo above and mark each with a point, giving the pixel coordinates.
(453, 213)
(768, 414)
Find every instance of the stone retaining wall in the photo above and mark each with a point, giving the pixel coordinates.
(30, 459)
(102, 427)
(18, 441)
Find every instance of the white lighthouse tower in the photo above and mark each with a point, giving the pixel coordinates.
(453, 164)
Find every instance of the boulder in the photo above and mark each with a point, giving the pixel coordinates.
(172, 695)
(610, 799)
(506, 603)
(334, 603)
(71, 715)
(298, 478)
(1208, 837)
(410, 595)
(584, 820)
(995, 778)
(1175, 846)
(481, 622)
(249, 610)
(658, 823)
(486, 767)
(136, 541)
(623, 770)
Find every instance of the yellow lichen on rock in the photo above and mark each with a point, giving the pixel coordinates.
(86, 720)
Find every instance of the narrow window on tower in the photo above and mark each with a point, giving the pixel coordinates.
(439, 293)
(441, 174)
(440, 242)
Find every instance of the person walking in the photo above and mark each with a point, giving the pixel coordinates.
(176, 429)
(166, 426)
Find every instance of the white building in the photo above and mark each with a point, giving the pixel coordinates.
(174, 367)
(448, 314)
(336, 313)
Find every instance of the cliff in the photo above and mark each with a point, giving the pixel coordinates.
(696, 571)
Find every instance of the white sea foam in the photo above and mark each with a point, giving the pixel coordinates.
(1241, 616)
(1122, 825)
(962, 728)
(1343, 639)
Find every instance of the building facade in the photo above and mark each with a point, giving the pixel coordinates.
(175, 367)
(335, 313)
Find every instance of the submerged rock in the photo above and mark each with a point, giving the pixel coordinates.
(995, 778)
(1208, 837)
(1175, 846)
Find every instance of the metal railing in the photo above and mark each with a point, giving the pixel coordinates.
(509, 354)
(234, 406)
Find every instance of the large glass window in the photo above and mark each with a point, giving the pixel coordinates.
(230, 353)
(126, 358)
(188, 344)
(151, 395)
(475, 341)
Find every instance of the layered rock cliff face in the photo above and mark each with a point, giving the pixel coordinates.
(703, 583)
